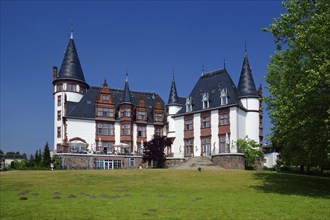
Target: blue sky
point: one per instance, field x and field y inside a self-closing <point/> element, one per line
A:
<point x="146" y="38"/>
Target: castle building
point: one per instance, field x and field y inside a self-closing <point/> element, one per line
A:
<point x="104" y="121"/>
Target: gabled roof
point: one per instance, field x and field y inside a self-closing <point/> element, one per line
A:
<point x="71" y="68"/>
<point x="213" y="83"/>
<point x="85" y="109"/>
<point x="246" y="86"/>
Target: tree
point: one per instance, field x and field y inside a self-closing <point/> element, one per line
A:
<point x="46" y="156"/>
<point x="37" y="158"/>
<point x="299" y="83"/>
<point x="251" y="150"/>
<point x="154" y="151"/>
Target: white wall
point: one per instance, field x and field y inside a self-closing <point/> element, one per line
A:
<point x="271" y="159"/>
<point x="150" y="132"/>
<point x="178" y="144"/>
<point x="197" y="134"/>
<point x="172" y="110"/>
<point x="233" y="119"/>
<point x="252" y="125"/>
<point x="214" y="131"/>
<point x="117" y="132"/>
<point x="84" y="129"/>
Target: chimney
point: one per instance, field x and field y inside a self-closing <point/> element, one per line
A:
<point x="55" y="72"/>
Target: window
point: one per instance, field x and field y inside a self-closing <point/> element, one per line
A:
<point x="131" y="162"/>
<point x="71" y="87"/>
<point x="158" y="117"/>
<point x="224" y="119"/>
<point x="189" y="104"/>
<point x="106" y="147"/>
<point x="59" y="148"/>
<point x="206" y="122"/>
<point x="224" y="97"/>
<point x="59" y="100"/>
<point x="189" y="124"/>
<point x="58" y="115"/>
<point x="223" y="143"/>
<point x="59" y="88"/>
<point x="205" y="100"/>
<point x="189" y="147"/>
<point x="104" y="129"/>
<point x="126" y="112"/>
<point x="141" y="115"/>
<point x="105" y="97"/>
<point x="108" y="164"/>
<point x="126" y="129"/>
<point x="141" y="131"/>
<point x="158" y="131"/>
<point x="105" y="112"/>
<point x="58" y="132"/>
<point x="206" y="146"/>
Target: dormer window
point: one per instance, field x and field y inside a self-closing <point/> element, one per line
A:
<point x="205" y="100"/>
<point x="224" y="97"/>
<point x="141" y="116"/>
<point x="105" y="97"/>
<point x="189" y="104"/>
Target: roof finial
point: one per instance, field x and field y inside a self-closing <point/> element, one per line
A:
<point x="126" y="78"/>
<point x="71" y="35"/>
<point x="173" y="72"/>
<point x="224" y="62"/>
<point x="202" y="69"/>
<point x="245" y="48"/>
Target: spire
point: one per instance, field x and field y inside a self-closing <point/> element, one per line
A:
<point x="173" y="98"/>
<point x="246" y="86"/>
<point x="126" y="93"/>
<point x="71" y="68"/>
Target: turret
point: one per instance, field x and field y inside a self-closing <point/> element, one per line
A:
<point x="126" y="117"/>
<point x="69" y="85"/>
<point x="248" y="96"/>
<point x="173" y="107"/>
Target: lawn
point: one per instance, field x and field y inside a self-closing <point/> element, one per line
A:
<point x="162" y="194"/>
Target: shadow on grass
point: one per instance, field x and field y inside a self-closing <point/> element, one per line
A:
<point x="292" y="184"/>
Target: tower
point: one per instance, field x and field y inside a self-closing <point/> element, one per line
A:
<point x="126" y="117"/>
<point x="69" y="85"/>
<point x="173" y="107"/>
<point x="248" y="95"/>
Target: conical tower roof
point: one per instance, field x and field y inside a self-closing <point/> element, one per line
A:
<point x="71" y="68"/>
<point x="126" y="94"/>
<point x="173" y="97"/>
<point x="246" y="86"/>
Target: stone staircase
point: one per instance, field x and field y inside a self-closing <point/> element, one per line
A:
<point x="204" y="163"/>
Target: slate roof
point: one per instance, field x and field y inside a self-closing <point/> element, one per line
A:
<point x="246" y="86"/>
<point x="126" y="95"/>
<point x="71" y="68"/>
<point x="212" y="83"/>
<point x="173" y="98"/>
<point x="85" y="109"/>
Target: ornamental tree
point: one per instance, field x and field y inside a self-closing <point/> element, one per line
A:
<point x="251" y="150"/>
<point x="154" y="151"/>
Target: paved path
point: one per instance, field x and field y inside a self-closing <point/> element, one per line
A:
<point x="193" y="163"/>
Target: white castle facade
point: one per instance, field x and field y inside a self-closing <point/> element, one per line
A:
<point x="110" y="122"/>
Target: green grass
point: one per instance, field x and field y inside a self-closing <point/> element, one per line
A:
<point x="163" y="194"/>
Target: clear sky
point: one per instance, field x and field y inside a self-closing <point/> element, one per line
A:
<point x="146" y="38"/>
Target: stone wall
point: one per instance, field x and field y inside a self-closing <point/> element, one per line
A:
<point x="172" y="162"/>
<point x="86" y="161"/>
<point x="229" y="160"/>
